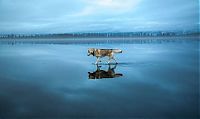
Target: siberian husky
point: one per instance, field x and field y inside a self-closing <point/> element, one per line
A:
<point x="99" y="53"/>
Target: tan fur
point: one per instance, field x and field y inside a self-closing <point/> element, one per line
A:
<point x="99" y="53"/>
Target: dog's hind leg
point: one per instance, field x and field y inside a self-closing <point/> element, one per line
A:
<point x="110" y="59"/>
<point x="114" y="60"/>
<point x="114" y="66"/>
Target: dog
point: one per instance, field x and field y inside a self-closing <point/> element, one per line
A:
<point x="99" y="53"/>
<point x="100" y="74"/>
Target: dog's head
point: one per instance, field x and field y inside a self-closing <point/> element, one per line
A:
<point x="91" y="51"/>
<point x="91" y="75"/>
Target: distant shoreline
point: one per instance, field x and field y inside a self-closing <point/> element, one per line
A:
<point x="147" y="39"/>
<point x="100" y="35"/>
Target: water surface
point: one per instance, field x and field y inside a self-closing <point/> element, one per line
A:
<point x="158" y="80"/>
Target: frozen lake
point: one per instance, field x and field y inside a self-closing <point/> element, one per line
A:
<point x="153" y="80"/>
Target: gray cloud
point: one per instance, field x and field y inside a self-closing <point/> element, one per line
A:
<point x="47" y="16"/>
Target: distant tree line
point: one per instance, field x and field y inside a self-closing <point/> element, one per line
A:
<point x="99" y="35"/>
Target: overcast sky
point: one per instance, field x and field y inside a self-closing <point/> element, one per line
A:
<point x="61" y="16"/>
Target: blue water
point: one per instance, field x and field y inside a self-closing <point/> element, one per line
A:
<point x="157" y="80"/>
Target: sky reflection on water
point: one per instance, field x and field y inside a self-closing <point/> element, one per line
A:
<point x="159" y="80"/>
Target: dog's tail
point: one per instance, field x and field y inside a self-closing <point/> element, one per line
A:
<point x="117" y="51"/>
<point x="118" y="75"/>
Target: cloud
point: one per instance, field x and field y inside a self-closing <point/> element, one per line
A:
<point x="108" y="6"/>
<point x="84" y="12"/>
<point x="97" y="15"/>
<point x="114" y="4"/>
<point x="93" y="7"/>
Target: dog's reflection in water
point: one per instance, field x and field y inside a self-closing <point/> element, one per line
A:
<point x="100" y="74"/>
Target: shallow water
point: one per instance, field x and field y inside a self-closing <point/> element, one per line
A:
<point x="155" y="80"/>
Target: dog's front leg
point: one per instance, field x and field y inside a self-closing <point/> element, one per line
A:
<point x="109" y="59"/>
<point x="97" y="61"/>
